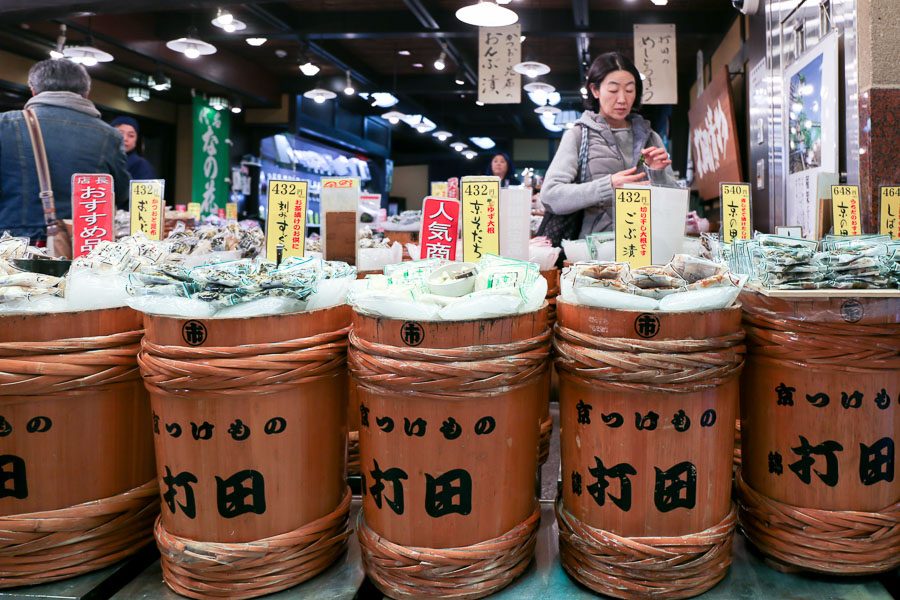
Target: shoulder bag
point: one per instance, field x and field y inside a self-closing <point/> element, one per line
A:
<point x="59" y="243"/>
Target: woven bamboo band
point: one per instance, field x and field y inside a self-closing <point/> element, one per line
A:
<point x="465" y="371"/>
<point x="269" y="368"/>
<point x="645" y="365"/>
<point x="544" y="440"/>
<point x="460" y="573"/>
<point x="644" y="567"/>
<point x="837" y="542"/>
<point x="251" y="569"/>
<point x="50" y="545"/>
<point x="39" y="368"/>
<point x="737" y="445"/>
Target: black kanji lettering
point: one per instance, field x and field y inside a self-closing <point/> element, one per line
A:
<point x="785" y="395"/>
<point x="244" y="492"/>
<point x="803" y="466"/>
<point x="876" y="462"/>
<point x="13" y="478"/>
<point x="183" y="480"/>
<point x="676" y="487"/>
<point x="621" y="471"/>
<point x="584" y="412"/>
<point x="440" y="493"/>
<point x="396" y="477"/>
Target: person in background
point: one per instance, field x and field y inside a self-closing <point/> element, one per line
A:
<point x="501" y="166"/>
<point x="138" y="166"/>
<point x="76" y="141"/>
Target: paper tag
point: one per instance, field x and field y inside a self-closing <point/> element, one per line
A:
<point x="93" y="208"/>
<point x="440" y="228"/>
<point x="889" y="223"/>
<point x="231" y="211"/>
<point x="737" y="211"/>
<point x="789" y="231"/>
<point x="453" y="188"/>
<point x="633" y="233"/>
<point x="481" y="217"/>
<point x="286" y="218"/>
<point x="147" y="207"/>
<point x="845" y="209"/>
<point x="440" y="189"/>
<point x="194" y="209"/>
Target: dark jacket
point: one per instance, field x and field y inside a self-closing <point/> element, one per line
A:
<point x="139" y="167"/>
<point x="77" y="141"/>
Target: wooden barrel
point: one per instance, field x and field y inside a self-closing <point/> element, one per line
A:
<point x="819" y="420"/>
<point x="250" y="437"/>
<point x="552" y="277"/>
<point x="647" y="409"/>
<point x="449" y="426"/>
<point x="77" y="486"/>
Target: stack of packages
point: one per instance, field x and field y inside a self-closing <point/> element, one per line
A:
<point x="17" y="286"/>
<point x="685" y="284"/>
<point x="242" y="241"/>
<point x="542" y="252"/>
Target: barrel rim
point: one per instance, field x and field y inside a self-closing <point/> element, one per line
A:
<point x="215" y="318"/>
<point x="736" y="307"/>
<point x="369" y="315"/>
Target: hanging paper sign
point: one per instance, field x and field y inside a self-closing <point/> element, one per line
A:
<point x="440" y="228"/>
<point x="633" y="233"/>
<point x="737" y="222"/>
<point x="147" y="207"/>
<point x="654" y="53"/>
<point x="481" y="217"/>
<point x="440" y="189"/>
<point x="231" y="211"/>
<point x="453" y="188"/>
<point x="194" y="209"/>
<point x="889" y="223"/>
<point x="845" y="209"/>
<point x="93" y="207"/>
<point x="499" y="50"/>
<point x="286" y="218"/>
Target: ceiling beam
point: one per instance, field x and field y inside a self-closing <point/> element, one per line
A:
<point x="428" y="22"/>
<point x="582" y="17"/>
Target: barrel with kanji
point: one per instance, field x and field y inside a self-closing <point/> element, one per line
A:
<point x="819" y="418"/>
<point x="449" y="424"/>
<point x="250" y="430"/>
<point x="77" y="486"/>
<point x="647" y="409"/>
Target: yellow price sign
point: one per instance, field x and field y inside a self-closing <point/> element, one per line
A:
<point x="440" y="189"/>
<point x="286" y="218"/>
<point x="194" y="209"/>
<point x="481" y="217"/>
<point x="147" y="207"/>
<point x="889" y="223"/>
<point x="231" y="212"/>
<point x="845" y="209"/>
<point x="633" y="233"/>
<point x="737" y="222"/>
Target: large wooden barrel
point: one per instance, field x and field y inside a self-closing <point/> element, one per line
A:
<point x="647" y="409"/>
<point x="250" y="437"/>
<point x="819" y="421"/>
<point x="77" y="486"/>
<point x="449" y="427"/>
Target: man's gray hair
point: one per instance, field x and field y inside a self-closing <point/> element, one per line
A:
<point x="60" y="75"/>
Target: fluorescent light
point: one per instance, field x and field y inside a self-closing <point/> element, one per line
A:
<point x="138" y="94"/>
<point x="257" y="41"/>
<point x="440" y="63"/>
<point x="309" y="69"/>
<point x="485" y="143"/>
<point x="486" y="14"/>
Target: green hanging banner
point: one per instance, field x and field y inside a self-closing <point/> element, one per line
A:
<point x="211" y="157"/>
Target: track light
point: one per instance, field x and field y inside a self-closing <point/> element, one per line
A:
<point x="349" y="87"/>
<point x="309" y="69"/>
<point x="440" y="63"/>
<point x="257" y="41"/>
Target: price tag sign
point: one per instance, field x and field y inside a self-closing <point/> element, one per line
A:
<point x="633" y="233"/>
<point x="440" y="228"/>
<point x="453" y="188"/>
<point x="481" y="217"/>
<point x="889" y="223"/>
<point x="147" y="207"/>
<point x="93" y="208"/>
<point x="440" y="189"/>
<point x="231" y="211"/>
<point x="286" y="218"/>
<point x="737" y="211"/>
<point x="194" y="209"/>
<point x="845" y="209"/>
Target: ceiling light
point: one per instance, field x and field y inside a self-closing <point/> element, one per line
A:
<point x="225" y="20"/>
<point x="159" y="82"/>
<point x="547" y="110"/>
<point x="479" y="103"/>
<point x="583" y="91"/>
<point x="460" y="79"/>
<point x="442" y="136"/>
<point x="485" y="143"/>
<point x="236" y="107"/>
<point x="547" y="120"/>
<point x="56" y="54"/>
<point x="417" y="65"/>
<point x="458" y="146"/>
<point x="539" y="92"/>
<point x="420" y="123"/>
<point x="393" y="117"/>
<point x="257" y="41"/>
<point x="86" y="55"/>
<point x="280" y="53"/>
<point x="660" y="2"/>
<point x="381" y="99"/>
<point x="643" y="77"/>
<point x="218" y="103"/>
<point x="235" y="25"/>
<point x="539" y="86"/>
<point x="439" y="64"/>
<point x="191" y="47"/>
<point x="531" y="68"/>
<point x="348" y="88"/>
<point x="521" y="39"/>
<point x="486" y="14"/>
<point x="318" y="95"/>
<point x="138" y="94"/>
<point x="403" y="52"/>
<point x="470" y="154"/>
<point x="309" y="69"/>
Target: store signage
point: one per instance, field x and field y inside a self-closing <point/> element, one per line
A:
<point x="714" y="140"/>
<point x="211" y="156"/>
<point x="654" y="53"/>
<point x="440" y="228"/>
<point x="440" y="189"/>
<point x="889" y="223"/>
<point x="633" y="232"/>
<point x="453" y="188"/>
<point x="481" y="217"/>
<point x="194" y="209"/>
<point x="286" y="218"/>
<point x="737" y="212"/>
<point x="147" y="207"/>
<point x="340" y="183"/>
<point x="93" y="208"/>
<point x="499" y="50"/>
<point x="845" y="209"/>
<point x="231" y="211"/>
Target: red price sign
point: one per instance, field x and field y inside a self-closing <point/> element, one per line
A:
<point x="440" y="228"/>
<point x="93" y="209"/>
<point x="453" y="188"/>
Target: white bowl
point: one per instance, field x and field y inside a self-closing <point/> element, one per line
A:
<point x="455" y="287"/>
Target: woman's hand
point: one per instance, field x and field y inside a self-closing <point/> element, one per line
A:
<point x="628" y="176"/>
<point x="656" y="158"/>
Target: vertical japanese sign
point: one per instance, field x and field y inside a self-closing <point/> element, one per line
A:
<point x="93" y="208"/>
<point x="211" y="156"/>
<point x="286" y="218"/>
<point x="499" y="50"/>
<point x="633" y="233"/>
<point x="440" y="228"/>
<point x="889" y="223"/>
<point x="147" y="207"/>
<point x="231" y="211"/>
<point x="845" y="209"/>
<point x="737" y="222"/>
<point x="440" y="189"/>
<point x="481" y="217"/>
<point x="654" y="53"/>
<point x="453" y="188"/>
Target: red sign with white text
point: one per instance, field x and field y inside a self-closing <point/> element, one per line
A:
<point x="440" y="228"/>
<point x="93" y="209"/>
<point x="453" y="188"/>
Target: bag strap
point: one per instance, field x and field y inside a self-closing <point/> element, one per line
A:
<point x="582" y="174"/>
<point x="43" y="167"/>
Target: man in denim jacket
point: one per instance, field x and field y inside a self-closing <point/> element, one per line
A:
<point x="77" y="141"/>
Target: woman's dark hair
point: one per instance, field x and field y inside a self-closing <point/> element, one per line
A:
<point x="509" y="165"/>
<point x="602" y="66"/>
